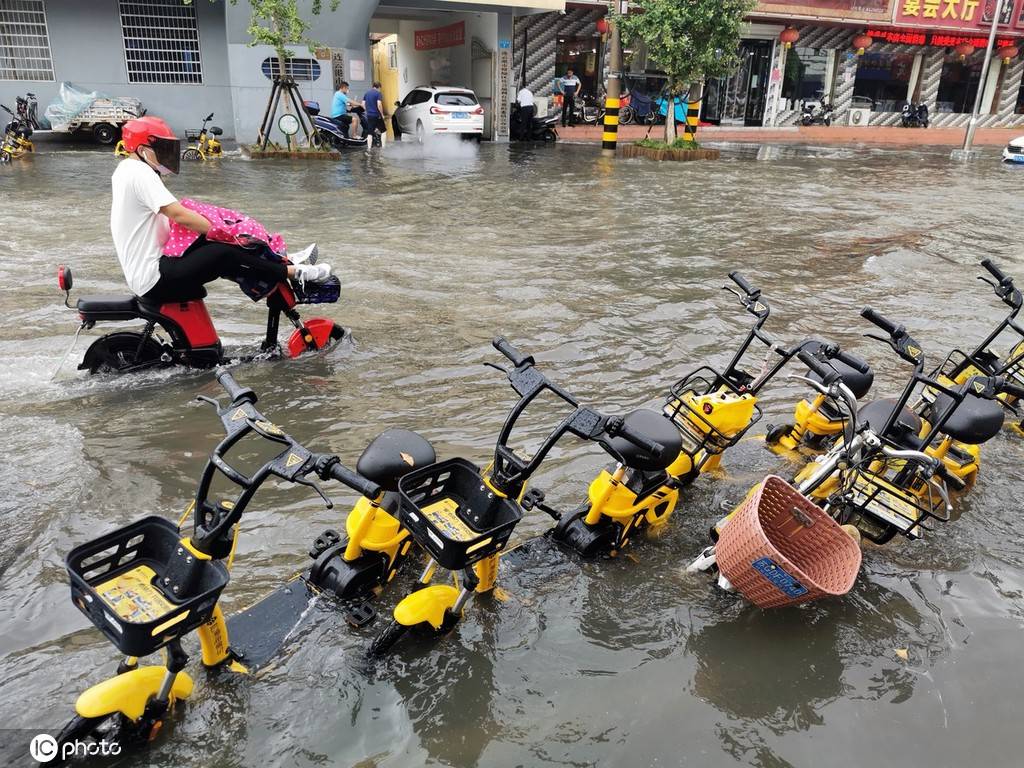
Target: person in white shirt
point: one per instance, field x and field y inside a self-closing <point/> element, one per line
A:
<point x="527" y="107"/>
<point x="140" y="214"/>
<point x="570" y="90"/>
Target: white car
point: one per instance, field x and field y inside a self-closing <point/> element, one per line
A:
<point x="1014" y="152"/>
<point x="438" y="110"/>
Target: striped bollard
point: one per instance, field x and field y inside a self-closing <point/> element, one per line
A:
<point x="611" y="124"/>
<point x="692" y="120"/>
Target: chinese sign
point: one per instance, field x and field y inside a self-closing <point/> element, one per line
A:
<point x="968" y="15"/>
<point x="938" y="39"/>
<point x="867" y="10"/>
<point x="441" y="37"/>
<point x="504" y="92"/>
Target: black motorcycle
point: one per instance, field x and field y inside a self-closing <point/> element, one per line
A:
<point x="536" y="129"/>
<point x="914" y="115"/>
<point x="816" y="112"/>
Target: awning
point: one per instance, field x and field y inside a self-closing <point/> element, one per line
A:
<point x="515" y="7"/>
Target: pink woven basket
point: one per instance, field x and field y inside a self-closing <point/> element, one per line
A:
<point x="779" y="548"/>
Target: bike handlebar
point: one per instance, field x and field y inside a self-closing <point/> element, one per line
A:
<point x="995" y="271"/>
<point x="236" y="391"/>
<point x="335" y="470"/>
<point x="861" y="366"/>
<point x="618" y="428"/>
<point x="504" y="346"/>
<point x="826" y="373"/>
<point x="1013" y="389"/>
<point x="880" y="320"/>
<point x="744" y="285"/>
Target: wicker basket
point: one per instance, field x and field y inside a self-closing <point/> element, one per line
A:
<point x="779" y="548"/>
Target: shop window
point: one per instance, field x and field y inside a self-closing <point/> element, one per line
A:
<point x="298" y="69"/>
<point x="958" y="84"/>
<point x="161" y="42"/>
<point x="1020" y="96"/>
<point x="883" y="80"/>
<point x="805" y="75"/>
<point x="579" y="54"/>
<point x="24" y="43"/>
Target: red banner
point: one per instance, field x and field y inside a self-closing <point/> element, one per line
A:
<point x="938" y="39"/>
<point x="442" y="37"/>
<point x="964" y="15"/>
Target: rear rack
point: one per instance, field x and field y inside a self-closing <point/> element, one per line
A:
<point x="697" y="396"/>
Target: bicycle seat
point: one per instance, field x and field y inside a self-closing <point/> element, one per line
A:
<point x="974" y="421"/>
<point x="904" y="431"/>
<point x="215" y="130"/>
<point x="656" y="427"/>
<point x="153" y="305"/>
<point x="108" y="307"/>
<point x="858" y="383"/>
<point x="392" y="455"/>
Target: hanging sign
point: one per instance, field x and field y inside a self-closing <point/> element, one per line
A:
<point x="441" y="37"/>
<point x="966" y="15"/>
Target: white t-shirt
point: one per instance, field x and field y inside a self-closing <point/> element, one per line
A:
<point x="525" y="97"/>
<point x="136" y="224"/>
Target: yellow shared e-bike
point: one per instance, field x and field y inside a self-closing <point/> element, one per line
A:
<point x="711" y="410"/>
<point x="463" y="516"/>
<point x="147" y="585"/>
<point x="16" y="141"/>
<point x="205" y="144"/>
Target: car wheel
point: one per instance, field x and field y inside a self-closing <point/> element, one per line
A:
<point x="421" y="132"/>
<point x="104" y="133"/>
<point x="396" y="128"/>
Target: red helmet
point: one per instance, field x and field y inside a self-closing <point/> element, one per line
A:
<point x="139" y="131"/>
<point x="153" y="132"/>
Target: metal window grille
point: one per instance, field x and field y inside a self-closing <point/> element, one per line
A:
<point x="297" y="69"/>
<point x="161" y="42"/>
<point x="24" y="42"/>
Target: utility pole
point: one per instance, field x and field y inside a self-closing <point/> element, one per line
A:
<point x="967" y="152"/>
<point x="611" y="103"/>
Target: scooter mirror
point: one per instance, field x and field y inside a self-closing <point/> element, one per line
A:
<point x="64" y="277"/>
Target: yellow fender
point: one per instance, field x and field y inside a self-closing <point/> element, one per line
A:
<point x="129" y="693"/>
<point x="426" y="605"/>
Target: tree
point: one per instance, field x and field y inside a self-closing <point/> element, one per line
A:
<point x="690" y="40"/>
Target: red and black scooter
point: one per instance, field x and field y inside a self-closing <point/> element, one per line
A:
<point x="191" y="338"/>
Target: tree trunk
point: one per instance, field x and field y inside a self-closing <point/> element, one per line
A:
<point x="670" y="117"/>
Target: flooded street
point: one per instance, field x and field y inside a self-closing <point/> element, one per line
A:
<point x="610" y="274"/>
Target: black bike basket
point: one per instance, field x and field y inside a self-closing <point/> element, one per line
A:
<point x="326" y="292"/>
<point x="141" y="587"/>
<point x="691" y="410"/>
<point x="453" y="515"/>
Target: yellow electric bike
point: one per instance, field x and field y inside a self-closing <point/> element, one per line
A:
<point x="463" y="515"/>
<point x="148" y="585"/>
<point x="205" y="144"/>
<point x="16" y="141"/>
<point x="711" y="410"/>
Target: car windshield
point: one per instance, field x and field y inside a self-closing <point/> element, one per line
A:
<point x="456" y="99"/>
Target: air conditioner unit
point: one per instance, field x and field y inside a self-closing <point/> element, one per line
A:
<point x="858" y="116"/>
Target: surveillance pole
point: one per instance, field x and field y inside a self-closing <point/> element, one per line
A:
<point x="967" y="152"/>
<point x="609" y="137"/>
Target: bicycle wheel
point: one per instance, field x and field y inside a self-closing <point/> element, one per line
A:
<point x="627" y="116"/>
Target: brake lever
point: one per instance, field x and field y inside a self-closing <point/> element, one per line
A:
<point x="988" y="280"/>
<point x="212" y="401"/>
<point x="735" y="292"/>
<point x="320" y="491"/>
<point x="496" y="367"/>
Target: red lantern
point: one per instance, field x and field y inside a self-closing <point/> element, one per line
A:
<point x="788" y="36"/>
<point x="602" y="26"/>
<point x="862" y="42"/>
<point x="1007" y="52"/>
<point x="963" y="50"/>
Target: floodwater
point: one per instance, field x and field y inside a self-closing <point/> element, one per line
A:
<point x="610" y="274"/>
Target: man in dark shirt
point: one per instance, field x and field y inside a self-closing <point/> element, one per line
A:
<point x="374" y="101"/>
<point x="570" y="90"/>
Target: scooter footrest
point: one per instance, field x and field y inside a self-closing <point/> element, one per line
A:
<point x="323" y="542"/>
<point x="360" y="615"/>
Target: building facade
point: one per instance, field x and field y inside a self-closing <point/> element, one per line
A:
<point x="913" y="56"/>
<point x="186" y="60"/>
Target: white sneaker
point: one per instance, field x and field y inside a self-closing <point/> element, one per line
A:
<point x="311" y="273"/>
<point x="307" y="255"/>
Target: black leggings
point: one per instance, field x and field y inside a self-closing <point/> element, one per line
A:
<point x="204" y="262"/>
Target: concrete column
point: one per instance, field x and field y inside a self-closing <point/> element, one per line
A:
<point x="992" y="83"/>
<point x="1013" y="73"/>
<point x="771" y="111"/>
<point x="846" y="74"/>
<point x="931" y="72"/>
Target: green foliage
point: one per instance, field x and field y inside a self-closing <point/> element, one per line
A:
<point x="689" y="39"/>
<point x="680" y="143"/>
<point x="279" y="23"/>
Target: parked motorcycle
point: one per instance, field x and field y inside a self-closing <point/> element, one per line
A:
<point x="27" y="108"/>
<point x="588" y="110"/>
<point x="192" y="339"/>
<point x="816" y="113"/>
<point x="206" y="144"/>
<point x="914" y="115"/>
<point x="327" y="134"/>
<point x="16" y="140"/>
<point x="539" y="129"/>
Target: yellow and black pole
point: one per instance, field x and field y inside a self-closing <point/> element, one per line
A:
<point x="693" y="111"/>
<point x="611" y="104"/>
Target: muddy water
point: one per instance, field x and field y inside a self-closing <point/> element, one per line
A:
<point x="610" y="274"/>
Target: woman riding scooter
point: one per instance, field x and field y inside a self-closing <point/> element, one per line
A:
<point x="140" y="215"/>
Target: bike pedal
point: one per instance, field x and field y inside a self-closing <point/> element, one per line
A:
<point x="360" y="615"/>
<point x="323" y="542"/>
<point x="532" y="498"/>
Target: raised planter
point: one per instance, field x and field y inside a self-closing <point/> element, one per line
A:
<point x="633" y="150"/>
<point x="250" y="152"/>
